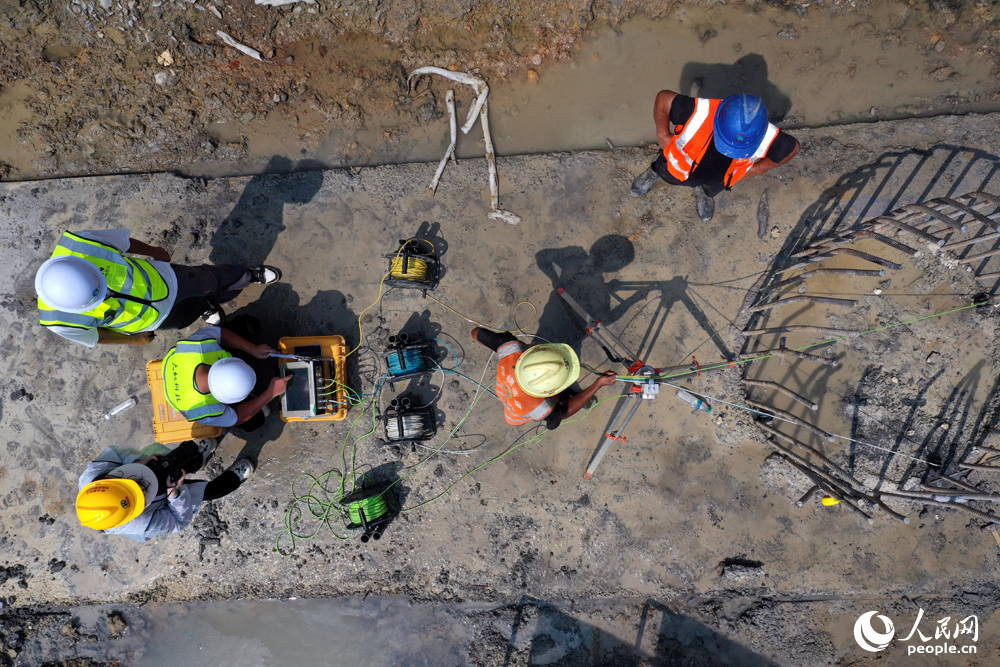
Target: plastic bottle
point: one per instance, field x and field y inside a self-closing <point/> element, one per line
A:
<point x="693" y="400"/>
<point x="120" y="408"/>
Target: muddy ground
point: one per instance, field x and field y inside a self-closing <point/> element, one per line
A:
<point x="692" y="510"/>
<point x="139" y="86"/>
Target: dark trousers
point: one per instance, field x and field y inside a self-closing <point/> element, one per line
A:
<point x="198" y="287"/>
<point x="660" y="167"/>
<point x="493" y="339"/>
<point x="186" y="457"/>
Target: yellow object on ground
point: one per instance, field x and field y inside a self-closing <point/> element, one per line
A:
<point x="830" y="501"/>
<point x="545" y="370"/>
<point x="168" y="424"/>
<point x="331" y="347"/>
<point x="109" y="503"/>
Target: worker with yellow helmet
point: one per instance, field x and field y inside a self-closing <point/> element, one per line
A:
<point x="142" y="494"/>
<point x="533" y="382"/>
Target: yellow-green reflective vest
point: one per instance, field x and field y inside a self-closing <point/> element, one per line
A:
<point x="128" y="278"/>
<point x="178" y="378"/>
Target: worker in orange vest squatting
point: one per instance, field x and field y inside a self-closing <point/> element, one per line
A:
<point x="714" y="144"/>
<point x="533" y="381"/>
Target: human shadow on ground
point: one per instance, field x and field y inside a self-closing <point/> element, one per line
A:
<point x="581" y="274"/>
<point x="746" y="75"/>
<point x="248" y="234"/>
<point x="543" y="634"/>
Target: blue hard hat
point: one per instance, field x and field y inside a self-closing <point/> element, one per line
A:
<point x="740" y="125"/>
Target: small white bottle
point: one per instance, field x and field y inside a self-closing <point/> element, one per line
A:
<point x="120" y="408"/>
<point x="693" y="400"/>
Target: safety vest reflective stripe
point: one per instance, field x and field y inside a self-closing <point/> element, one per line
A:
<point x="688" y="147"/>
<point x="129" y="277"/>
<point x="739" y="168"/>
<point x="179" y="368"/>
<point x="518" y="407"/>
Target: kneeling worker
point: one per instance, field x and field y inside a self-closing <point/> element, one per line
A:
<point x="533" y="381"/>
<point x="207" y="384"/>
<point x="143" y="494"/>
<point x="91" y="292"/>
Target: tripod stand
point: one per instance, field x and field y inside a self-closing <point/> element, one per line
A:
<point x="643" y="381"/>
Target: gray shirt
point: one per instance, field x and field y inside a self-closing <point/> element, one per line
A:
<point x="120" y="240"/>
<point x="161" y="517"/>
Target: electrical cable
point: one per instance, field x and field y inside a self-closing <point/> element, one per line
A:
<point x="413" y="269"/>
<point x="517" y="327"/>
<point x="406" y="361"/>
<point x="375" y="507"/>
<point x="413" y="426"/>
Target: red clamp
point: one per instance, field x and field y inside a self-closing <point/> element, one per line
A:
<point x="617" y="438"/>
<point x="696" y="365"/>
<point x="634" y="368"/>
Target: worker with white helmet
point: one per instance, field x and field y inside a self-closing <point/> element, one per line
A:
<point x="142" y="494"/>
<point x="91" y="292"/>
<point x="533" y="381"/>
<point x="206" y="383"/>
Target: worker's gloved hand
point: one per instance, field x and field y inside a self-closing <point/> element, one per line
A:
<point x="175" y="490"/>
<point x="278" y="386"/>
<point x="142" y="338"/>
<point x="159" y="254"/>
<point x="606" y="379"/>
<point x="263" y="351"/>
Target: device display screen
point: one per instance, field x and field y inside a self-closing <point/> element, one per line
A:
<point x="297" y="394"/>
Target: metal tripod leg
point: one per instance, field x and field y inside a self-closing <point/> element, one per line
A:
<point x="598" y="330"/>
<point x="615" y="430"/>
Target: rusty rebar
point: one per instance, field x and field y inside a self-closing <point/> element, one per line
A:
<point x="923" y="209"/>
<point x="930" y="501"/>
<point x="849" y="303"/>
<point x="812" y="450"/>
<point x="800" y="327"/>
<point x="982" y="255"/>
<point x="902" y="226"/>
<point x="987" y="449"/>
<point x="988" y="274"/>
<point x="793" y="419"/>
<point x="806" y="496"/>
<point x="825" y="272"/>
<point x="986" y="220"/>
<point x="892" y="243"/>
<point x="972" y="241"/>
<point x="976" y="466"/>
<point x="783" y="390"/>
<point x="956" y="495"/>
<point x="951" y="480"/>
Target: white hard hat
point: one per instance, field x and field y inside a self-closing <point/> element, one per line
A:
<point x="231" y="380"/>
<point x="71" y="284"/>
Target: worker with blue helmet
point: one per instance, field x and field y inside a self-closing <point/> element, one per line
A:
<point x="714" y="144"/>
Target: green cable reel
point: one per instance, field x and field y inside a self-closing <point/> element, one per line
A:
<point x="371" y="509"/>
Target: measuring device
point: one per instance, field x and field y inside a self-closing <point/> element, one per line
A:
<point x="643" y="383"/>
<point x="312" y="393"/>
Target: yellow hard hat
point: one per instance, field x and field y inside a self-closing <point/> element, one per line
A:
<point x="109" y="503"/>
<point x="545" y="370"/>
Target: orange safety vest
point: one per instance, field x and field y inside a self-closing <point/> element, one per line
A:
<point x="518" y="407"/>
<point x="691" y="140"/>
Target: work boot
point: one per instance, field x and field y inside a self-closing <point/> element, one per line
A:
<point x="206" y="446"/>
<point x="704" y="204"/>
<point x="644" y="182"/>
<point x="264" y="275"/>
<point x="215" y="316"/>
<point x="243" y="468"/>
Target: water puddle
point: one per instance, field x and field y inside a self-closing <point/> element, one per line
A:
<point x="811" y="70"/>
